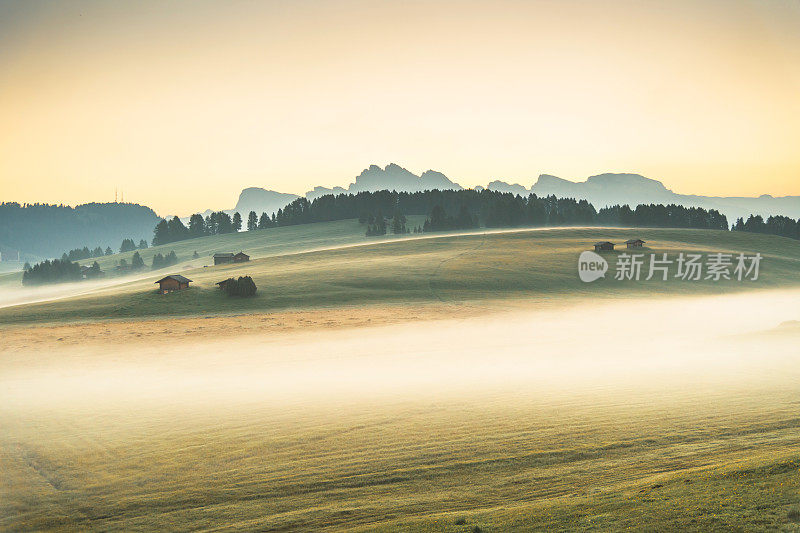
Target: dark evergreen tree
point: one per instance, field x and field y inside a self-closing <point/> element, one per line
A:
<point x="398" y="224"/>
<point x="161" y="233"/>
<point x="176" y="231"/>
<point x="136" y="261"/>
<point x="142" y="244"/>
<point x="109" y="251"/>
<point x="244" y="287"/>
<point x="93" y="271"/>
<point x="197" y="226"/>
<point x="127" y="246"/>
<point x="237" y="221"/>
<point x="252" y="221"/>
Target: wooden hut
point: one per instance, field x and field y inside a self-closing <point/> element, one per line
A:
<point x="241" y="257"/>
<point x="173" y="282"/>
<point x="634" y="243"/>
<point x="603" y="246"/>
<point x="223" y="258"/>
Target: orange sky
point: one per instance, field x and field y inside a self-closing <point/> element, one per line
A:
<point x="182" y="104"/>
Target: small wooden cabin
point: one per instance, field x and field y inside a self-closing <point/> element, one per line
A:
<point x="603" y="246"/>
<point x="173" y="282"/>
<point x="635" y="243"/>
<point x="224" y="258"/>
<point x="241" y="257"/>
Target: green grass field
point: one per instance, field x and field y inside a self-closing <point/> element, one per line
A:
<point x="521" y="264"/>
<point x="643" y="406"/>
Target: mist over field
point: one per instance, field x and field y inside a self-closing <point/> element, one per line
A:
<point x="263" y="425"/>
<point x="630" y="343"/>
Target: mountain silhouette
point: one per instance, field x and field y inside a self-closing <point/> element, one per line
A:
<point x="601" y="190"/>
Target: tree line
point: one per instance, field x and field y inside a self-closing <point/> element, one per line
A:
<point x="55" y="271"/>
<point x="78" y="254"/>
<point x="445" y="210"/>
<point x="466" y="209"/>
<point x="774" y="225"/>
<point x="61" y="270"/>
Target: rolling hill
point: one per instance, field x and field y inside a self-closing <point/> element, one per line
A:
<point x="333" y="264"/>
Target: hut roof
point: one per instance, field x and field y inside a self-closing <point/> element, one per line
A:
<point x="225" y="254"/>
<point x="224" y="281"/>
<point x="631" y="241"/>
<point x="176" y="277"/>
<point x="603" y="242"/>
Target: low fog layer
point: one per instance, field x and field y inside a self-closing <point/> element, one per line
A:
<point x="616" y="346"/>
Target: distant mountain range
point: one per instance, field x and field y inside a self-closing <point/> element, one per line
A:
<point x="601" y="190"/>
<point x="393" y="177"/>
<point x="38" y="231"/>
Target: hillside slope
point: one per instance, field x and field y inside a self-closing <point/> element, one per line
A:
<point x="516" y="264"/>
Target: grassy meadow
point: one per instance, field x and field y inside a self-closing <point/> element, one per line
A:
<point x="554" y="405"/>
<point x="331" y="265"/>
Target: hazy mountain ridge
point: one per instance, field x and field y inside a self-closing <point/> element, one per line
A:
<point x="43" y="230"/>
<point x="601" y="190"/>
<point x="625" y="188"/>
<point x="262" y="200"/>
<point x="49" y="235"/>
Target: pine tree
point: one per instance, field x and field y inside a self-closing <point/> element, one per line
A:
<point x="136" y="261"/>
<point x="127" y="246"/>
<point x="197" y="227"/>
<point x="237" y="221"/>
<point x="176" y="231"/>
<point x="109" y="251"/>
<point x="252" y="221"/>
<point x="398" y="223"/>
<point x="142" y="244"/>
<point x="161" y="233"/>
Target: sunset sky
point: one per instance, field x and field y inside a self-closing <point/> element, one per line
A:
<point x="182" y="104"/>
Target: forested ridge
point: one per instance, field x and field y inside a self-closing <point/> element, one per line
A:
<point x="47" y="230"/>
<point x="386" y="211"/>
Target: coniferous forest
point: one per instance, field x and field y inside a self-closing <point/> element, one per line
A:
<point x="54" y="271"/>
<point x="445" y="210"/>
<point x="46" y="230"/>
<point x="774" y="225"/>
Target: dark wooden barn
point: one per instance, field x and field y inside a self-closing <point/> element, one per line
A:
<point x="223" y="258"/>
<point x="241" y="257"/>
<point x="173" y="282"/>
<point x="603" y="246"/>
<point x="635" y="243"/>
